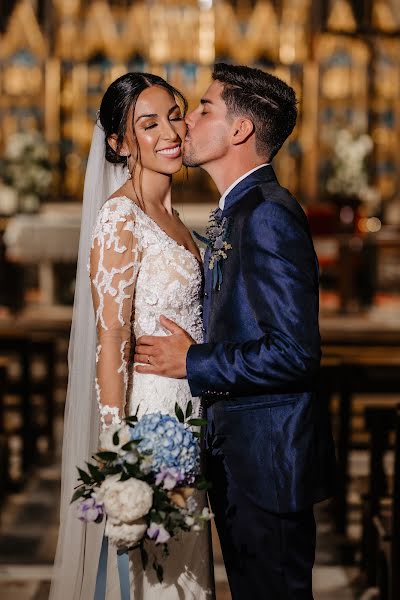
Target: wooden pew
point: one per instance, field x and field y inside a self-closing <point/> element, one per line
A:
<point x="379" y="422"/>
<point x="25" y="390"/>
<point x="4" y="464"/>
<point x="387" y="527"/>
<point x="363" y="370"/>
<point x="381" y="509"/>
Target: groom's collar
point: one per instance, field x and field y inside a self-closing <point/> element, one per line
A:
<point x="241" y="186"/>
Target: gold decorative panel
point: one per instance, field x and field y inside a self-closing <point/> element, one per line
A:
<point x="385" y="116"/>
<point x="23" y="56"/>
<point x="52" y="77"/>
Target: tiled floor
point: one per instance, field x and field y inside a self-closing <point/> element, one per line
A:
<point x="28" y="535"/>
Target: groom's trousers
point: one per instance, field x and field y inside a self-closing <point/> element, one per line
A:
<point x="267" y="556"/>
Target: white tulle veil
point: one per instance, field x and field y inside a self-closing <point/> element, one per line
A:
<point x="78" y="545"/>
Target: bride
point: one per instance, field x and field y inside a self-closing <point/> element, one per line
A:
<point x="143" y="263"/>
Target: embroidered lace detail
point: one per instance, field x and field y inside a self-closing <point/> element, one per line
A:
<point x="114" y="264"/>
<point x="138" y="273"/>
<point x="106" y="410"/>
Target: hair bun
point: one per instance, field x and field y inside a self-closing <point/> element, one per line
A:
<point x="112" y="156"/>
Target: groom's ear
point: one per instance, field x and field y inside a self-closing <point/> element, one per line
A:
<point x="113" y="141"/>
<point x="242" y="129"/>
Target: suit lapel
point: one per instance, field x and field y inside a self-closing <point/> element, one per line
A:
<point x="207" y="292"/>
<point x="261" y="176"/>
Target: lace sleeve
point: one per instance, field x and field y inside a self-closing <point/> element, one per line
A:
<point x="114" y="265"/>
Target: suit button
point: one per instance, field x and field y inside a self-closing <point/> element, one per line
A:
<point x="205" y="295"/>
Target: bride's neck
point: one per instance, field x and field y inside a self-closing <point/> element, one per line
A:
<point x="153" y="189"/>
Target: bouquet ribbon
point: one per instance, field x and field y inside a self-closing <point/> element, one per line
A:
<point x="123" y="572"/>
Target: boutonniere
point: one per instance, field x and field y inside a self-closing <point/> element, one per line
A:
<point x="217" y="233"/>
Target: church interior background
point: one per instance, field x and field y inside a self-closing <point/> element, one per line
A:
<point x="342" y="162"/>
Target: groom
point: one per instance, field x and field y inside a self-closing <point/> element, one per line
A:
<point x="269" y="449"/>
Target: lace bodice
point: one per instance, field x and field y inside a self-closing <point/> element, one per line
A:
<point x="137" y="273"/>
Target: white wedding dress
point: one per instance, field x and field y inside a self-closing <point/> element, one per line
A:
<point x="137" y="274"/>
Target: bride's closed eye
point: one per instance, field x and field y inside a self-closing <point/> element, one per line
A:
<point x="176" y="117"/>
<point x="152" y="125"/>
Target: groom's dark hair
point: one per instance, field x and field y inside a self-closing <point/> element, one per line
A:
<point x="267" y="101"/>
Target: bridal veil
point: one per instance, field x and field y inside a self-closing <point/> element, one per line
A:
<point x="79" y="545"/>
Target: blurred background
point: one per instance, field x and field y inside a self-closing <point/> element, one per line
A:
<point x="341" y="162"/>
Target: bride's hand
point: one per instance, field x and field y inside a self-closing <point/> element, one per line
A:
<point x="164" y="356"/>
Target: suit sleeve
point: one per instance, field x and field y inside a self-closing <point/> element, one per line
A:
<point x="280" y="274"/>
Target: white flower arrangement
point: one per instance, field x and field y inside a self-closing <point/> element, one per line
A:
<point x="349" y="175"/>
<point x="215" y="238"/>
<point x="125" y="534"/>
<point x="25" y="168"/>
<point x="125" y="501"/>
<point x="106" y="437"/>
<point x="145" y="480"/>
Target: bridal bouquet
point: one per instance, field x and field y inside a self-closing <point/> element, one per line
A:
<point x="143" y="481"/>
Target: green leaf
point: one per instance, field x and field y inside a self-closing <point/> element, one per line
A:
<point x="131" y="419"/>
<point x="78" y="494"/>
<point x="116" y="439"/>
<point x="133" y="470"/>
<point x="128" y="445"/>
<point x="201" y="238"/>
<point x="197" y="422"/>
<point x="179" y="413"/>
<point x="189" y="409"/>
<point x="159" y="571"/>
<point x="144" y="556"/>
<point x="203" y="485"/>
<point x="107" y="456"/>
<point x="95" y="473"/>
<point x="111" y="470"/>
<point x="84" y="476"/>
<point x="156" y="518"/>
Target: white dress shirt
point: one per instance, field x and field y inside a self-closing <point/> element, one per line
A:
<point x="234" y="184"/>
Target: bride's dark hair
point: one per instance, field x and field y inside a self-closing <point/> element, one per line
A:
<point x="117" y="102"/>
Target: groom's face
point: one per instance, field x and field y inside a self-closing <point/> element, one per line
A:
<point x="208" y="129"/>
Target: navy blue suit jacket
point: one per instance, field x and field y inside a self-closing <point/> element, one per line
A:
<point x="258" y="370"/>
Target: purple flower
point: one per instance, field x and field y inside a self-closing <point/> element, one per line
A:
<point x="158" y="533"/>
<point x="219" y="243"/>
<point x="170" y="476"/>
<point x="89" y="511"/>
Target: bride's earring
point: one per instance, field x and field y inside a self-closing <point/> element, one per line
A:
<point x="127" y="165"/>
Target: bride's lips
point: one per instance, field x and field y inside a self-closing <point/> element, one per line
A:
<point x="171" y="152"/>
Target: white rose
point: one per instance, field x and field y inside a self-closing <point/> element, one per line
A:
<point x="106" y="437"/>
<point x="206" y="514"/>
<point x="146" y="465"/>
<point x="127" y="500"/>
<point x="124" y="535"/>
<point x="8" y="200"/>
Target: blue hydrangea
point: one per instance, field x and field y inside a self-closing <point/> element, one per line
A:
<point x="170" y="443"/>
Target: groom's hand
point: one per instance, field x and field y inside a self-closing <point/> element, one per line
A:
<point x="161" y="355"/>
